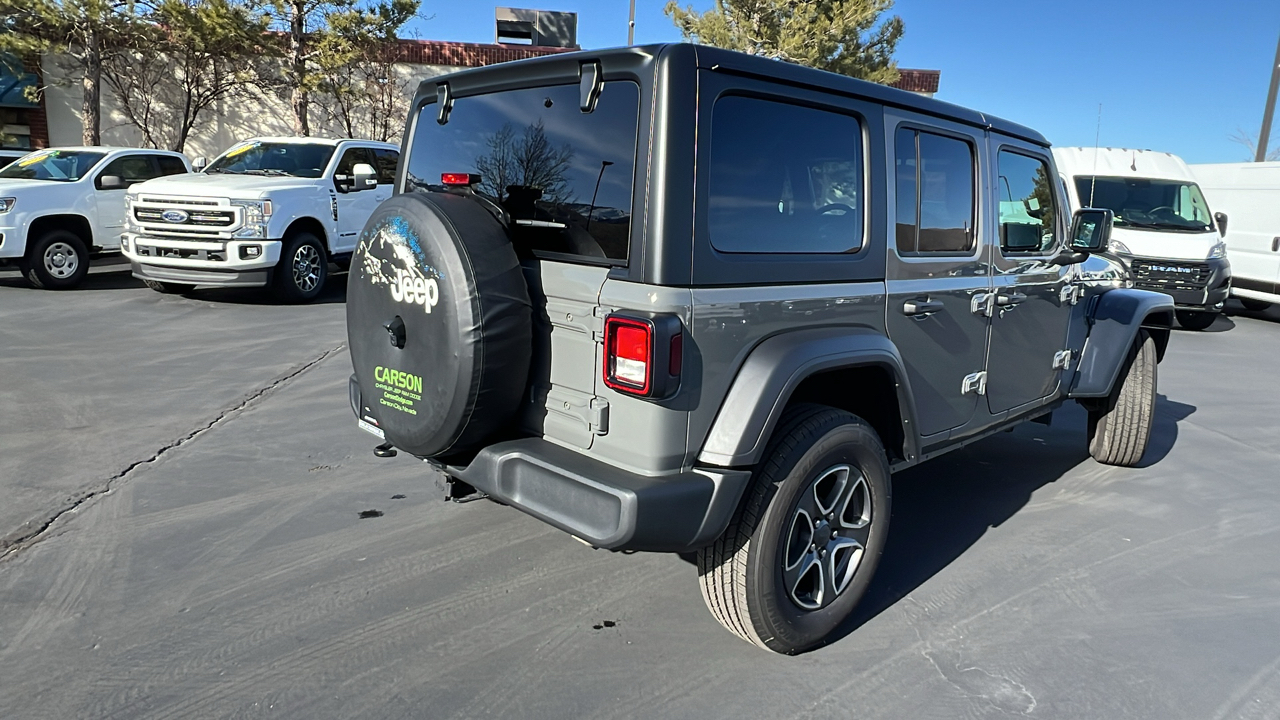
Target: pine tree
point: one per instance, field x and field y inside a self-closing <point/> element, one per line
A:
<point x="843" y="36"/>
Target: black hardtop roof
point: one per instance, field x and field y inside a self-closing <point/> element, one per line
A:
<point x="509" y="74"/>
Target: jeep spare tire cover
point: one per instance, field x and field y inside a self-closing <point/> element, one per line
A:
<point x="439" y="323"/>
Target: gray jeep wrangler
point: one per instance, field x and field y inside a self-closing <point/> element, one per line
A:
<point x="680" y="299"/>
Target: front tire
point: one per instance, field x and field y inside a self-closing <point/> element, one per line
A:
<point x="1195" y="320"/>
<point x="802" y="548"/>
<point x="57" y="260"/>
<point x="169" y="288"/>
<point x="1255" y="305"/>
<point x="302" y="270"/>
<point x="1120" y="428"/>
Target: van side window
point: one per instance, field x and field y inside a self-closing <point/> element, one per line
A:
<point x="1028" y="211"/>
<point x="935" y="191"/>
<point x="784" y="179"/>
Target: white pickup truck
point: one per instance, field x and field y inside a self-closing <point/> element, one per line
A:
<point x="58" y="206"/>
<point x="268" y="211"/>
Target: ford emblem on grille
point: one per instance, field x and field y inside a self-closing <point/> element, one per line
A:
<point x="175" y="216"/>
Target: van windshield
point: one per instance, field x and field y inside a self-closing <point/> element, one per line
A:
<point x="1147" y="204"/>
<point x="564" y="175"/>
<point x="307" y="160"/>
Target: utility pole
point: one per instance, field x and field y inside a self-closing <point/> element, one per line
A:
<point x="631" y="40"/>
<point x="1267" y="113"/>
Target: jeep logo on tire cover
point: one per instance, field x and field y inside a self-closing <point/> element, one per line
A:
<point x="407" y="277"/>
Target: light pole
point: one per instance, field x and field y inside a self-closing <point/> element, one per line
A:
<point x="631" y="25"/>
<point x="1270" y="109"/>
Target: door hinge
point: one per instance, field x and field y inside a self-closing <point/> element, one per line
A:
<point x="1070" y="294"/>
<point x="598" y="314"/>
<point x="974" y="383"/>
<point x="983" y="303"/>
<point x="1062" y="360"/>
<point x="598" y="416"/>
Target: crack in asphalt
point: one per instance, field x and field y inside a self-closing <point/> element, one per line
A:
<point x="22" y="539"/>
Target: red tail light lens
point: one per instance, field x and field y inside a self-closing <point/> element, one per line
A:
<point x="457" y="179"/>
<point x="628" y="355"/>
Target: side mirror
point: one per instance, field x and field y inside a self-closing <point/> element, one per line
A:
<point x="1091" y="229"/>
<point x="199" y="164"/>
<point x="364" y="177"/>
<point x="111" y="182"/>
<point x="1221" y="219"/>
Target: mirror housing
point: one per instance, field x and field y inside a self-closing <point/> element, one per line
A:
<point x="199" y="164"/>
<point x="111" y="182"/>
<point x="1221" y="219"/>
<point x="363" y="177"/>
<point x="1091" y="229"/>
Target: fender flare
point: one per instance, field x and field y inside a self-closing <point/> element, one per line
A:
<point x="765" y="382"/>
<point x="1115" y="317"/>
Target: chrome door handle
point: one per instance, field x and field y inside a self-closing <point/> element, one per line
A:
<point x="1010" y="300"/>
<point x="921" y="308"/>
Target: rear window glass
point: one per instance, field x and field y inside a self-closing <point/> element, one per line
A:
<point x="784" y="179"/>
<point x="564" y="175"/>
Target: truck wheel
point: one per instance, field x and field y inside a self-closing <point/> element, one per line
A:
<point x="1254" y="305"/>
<point x="800" y="551"/>
<point x="302" y="270"/>
<point x="58" y="260"/>
<point x="1195" y="320"/>
<point x="1121" y="426"/>
<point x="169" y="288"/>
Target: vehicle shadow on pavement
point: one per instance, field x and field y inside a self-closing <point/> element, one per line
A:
<point x="335" y="291"/>
<point x="943" y="507"/>
<point x="1222" y="323"/>
<point x="115" y="278"/>
<point x="1234" y="308"/>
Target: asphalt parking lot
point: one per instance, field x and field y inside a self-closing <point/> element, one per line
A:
<point x="181" y="537"/>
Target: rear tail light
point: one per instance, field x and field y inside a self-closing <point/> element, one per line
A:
<point x="643" y="355"/>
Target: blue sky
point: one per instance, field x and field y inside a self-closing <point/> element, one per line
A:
<point x="1172" y="75"/>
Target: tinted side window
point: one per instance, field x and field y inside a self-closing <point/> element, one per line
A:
<point x="170" y="165"/>
<point x="130" y="168"/>
<point x="352" y="157"/>
<point x="386" y="165"/>
<point x="1028" y="213"/>
<point x="936" y="206"/>
<point x="784" y="179"/>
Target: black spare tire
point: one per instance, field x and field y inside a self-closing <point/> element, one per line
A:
<point x="439" y="323"/>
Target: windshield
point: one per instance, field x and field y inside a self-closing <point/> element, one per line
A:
<point x="57" y="165"/>
<point x="265" y="158"/>
<point x="564" y="175"/>
<point x="1147" y="204"/>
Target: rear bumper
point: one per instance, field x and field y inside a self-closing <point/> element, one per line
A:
<point x="604" y="505"/>
<point x="197" y="276"/>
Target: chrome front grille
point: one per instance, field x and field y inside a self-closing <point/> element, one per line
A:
<point x="202" y="218"/>
<point x="188" y="218"/>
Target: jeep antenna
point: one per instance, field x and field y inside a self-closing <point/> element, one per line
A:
<point x="1097" y="133"/>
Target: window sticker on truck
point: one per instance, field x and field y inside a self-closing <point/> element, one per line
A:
<point x="407" y="277"/>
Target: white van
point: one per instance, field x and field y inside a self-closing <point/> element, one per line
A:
<point x="1164" y="232"/>
<point x="1248" y="196"/>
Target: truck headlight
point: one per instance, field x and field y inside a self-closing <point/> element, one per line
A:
<point x="1219" y="250"/>
<point x="256" y="215"/>
<point x="1119" y="248"/>
<point x="6" y="204"/>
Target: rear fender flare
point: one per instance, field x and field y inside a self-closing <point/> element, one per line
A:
<point x="764" y="385"/>
<point x="1115" y="317"/>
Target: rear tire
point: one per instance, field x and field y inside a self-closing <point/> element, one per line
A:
<point x="169" y="288"/>
<point x="1195" y="320"/>
<point x="57" y="260"/>
<point x="1120" y="428"/>
<point x="302" y="270"/>
<point x="801" y="550"/>
<point x="1255" y="305"/>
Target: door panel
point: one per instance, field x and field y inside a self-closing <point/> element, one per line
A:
<point x="1031" y="310"/>
<point x="109" y="204"/>
<point x="937" y="270"/>
<point x="355" y="207"/>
